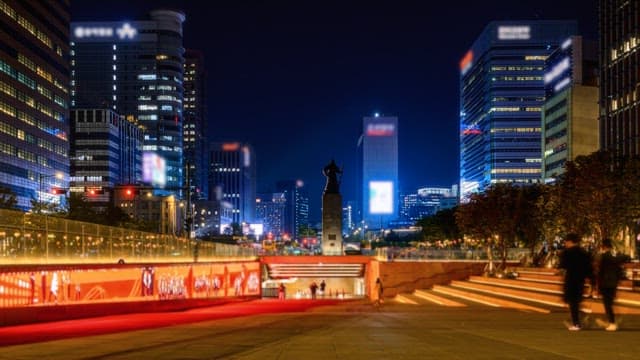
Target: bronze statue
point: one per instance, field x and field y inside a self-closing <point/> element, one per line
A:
<point x="331" y="171"/>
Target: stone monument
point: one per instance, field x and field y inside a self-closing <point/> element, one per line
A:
<point x="332" y="211"/>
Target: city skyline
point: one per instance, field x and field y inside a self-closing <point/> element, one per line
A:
<point x="289" y="76"/>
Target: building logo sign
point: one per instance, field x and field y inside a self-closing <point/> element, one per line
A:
<point x="465" y="63"/>
<point x="124" y="32"/>
<point x="514" y="32"/>
<point x="380" y="129"/>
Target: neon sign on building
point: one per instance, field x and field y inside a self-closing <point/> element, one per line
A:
<point x="514" y="32"/>
<point x="380" y="129"/>
<point x="126" y="31"/>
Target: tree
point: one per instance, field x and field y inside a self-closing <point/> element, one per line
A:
<point x="440" y="226"/>
<point x="592" y="199"/>
<point x="78" y="208"/>
<point x="305" y="230"/>
<point x="498" y="218"/>
<point x="7" y="198"/>
<point x="473" y="221"/>
<point x="530" y="227"/>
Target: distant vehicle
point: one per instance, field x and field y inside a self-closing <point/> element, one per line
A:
<point x="352" y="249"/>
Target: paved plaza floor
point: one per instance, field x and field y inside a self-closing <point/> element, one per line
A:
<point x="355" y="330"/>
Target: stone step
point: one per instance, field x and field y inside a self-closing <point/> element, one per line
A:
<point x="486" y="300"/>
<point x="589" y="305"/>
<point x="525" y="295"/>
<point x="625" y="297"/>
<point x="535" y="271"/>
<point x="551" y="288"/>
<point x="404" y="299"/>
<point x="433" y="298"/>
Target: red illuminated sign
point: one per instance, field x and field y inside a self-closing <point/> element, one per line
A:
<point x="230" y="146"/>
<point x="380" y="129"/>
<point x="466" y="61"/>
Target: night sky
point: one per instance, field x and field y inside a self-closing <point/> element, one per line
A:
<point x="295" y="78"/>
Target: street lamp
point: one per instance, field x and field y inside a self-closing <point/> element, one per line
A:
<point x="41" y="177"/>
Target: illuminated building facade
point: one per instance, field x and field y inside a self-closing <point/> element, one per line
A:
<point x="619" y="78"/>
<point x="296" y="213"/>
<point x="427" y="202"/>
<point x="270" y="210"/>
<point x="379" y="171"/>
<point x="194" y="125"/>
<point x="106" y="151"/>
<point x="570" y="111"/>
<point x="501" y="98"/>
<point x="34" y="99"/>
<point x="349" y="224"/>
<point x="136" y="69"/>
<point x="232" y="180"/>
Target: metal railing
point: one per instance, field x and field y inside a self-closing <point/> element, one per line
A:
<point x="413" y="254"/>
<point x="28" y="238"/>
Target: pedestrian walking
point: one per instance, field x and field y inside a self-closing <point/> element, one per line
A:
<point x="323" y="285"/>
<point x="313" y="287"/>
<point x="281" y="291"/>
<point x="379" y="292"/>
<point x="610" y="271"/>
<point x="577" y="266"/>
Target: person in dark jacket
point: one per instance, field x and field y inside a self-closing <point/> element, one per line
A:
<point x="610" y="272"/>
<point x="577" y="265"/>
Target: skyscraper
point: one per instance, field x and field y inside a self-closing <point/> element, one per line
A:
<point x="570" y="111"/>
<point x="379" y="149"/>
<point x="270" y="210"/>
<point x="619" y="78"/>
<point x="501" y="97"/>
<point x="136" y="69"/>
<point x="296" y="211"/>
<point x="34" y="99"/>
<point x="233" y="179"/>
<point x="106" y="151"/>
<point x="427" y="202"/>
<point x="194" y="125"/>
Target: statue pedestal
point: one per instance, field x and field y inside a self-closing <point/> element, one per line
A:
<point x="331" y="224"/>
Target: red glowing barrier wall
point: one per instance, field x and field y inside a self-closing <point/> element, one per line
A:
<point x="50" y="285"/>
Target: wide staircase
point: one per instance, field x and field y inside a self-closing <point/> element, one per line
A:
<point x="526" y="289"/>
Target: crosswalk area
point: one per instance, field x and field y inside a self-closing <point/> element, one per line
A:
<point x="527" y="289"/>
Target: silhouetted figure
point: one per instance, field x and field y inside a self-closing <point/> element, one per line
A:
<point x="331" y="171"/>
<point x="610" y="271"/>
<point x="577" y="265"/>
<point x="379" y="292"/>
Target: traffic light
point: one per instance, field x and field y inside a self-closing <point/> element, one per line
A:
<point x="58" y="191"/>
<point x="95" y="191"/>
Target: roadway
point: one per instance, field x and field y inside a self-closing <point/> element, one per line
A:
<point x="307" y="329"/>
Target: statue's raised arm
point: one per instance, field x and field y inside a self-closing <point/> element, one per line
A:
<point x="331" y="171"/>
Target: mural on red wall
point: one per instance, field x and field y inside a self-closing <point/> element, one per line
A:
<point x="148" y="282"/>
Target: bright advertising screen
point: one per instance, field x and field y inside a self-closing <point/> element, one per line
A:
<point x="381" y="197"/>
<point x="154" y="169"/>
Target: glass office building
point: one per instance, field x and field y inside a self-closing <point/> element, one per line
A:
<point x="379" y="171"/>
<point x="232" y="180"/>
<point x="501" y="98"/>
<point x="194" y="128"/>
<point x="136" y="69"/>
<point x="34" y="100"/>
<point x="570" y="111"/>
<point x="619" y="78"/>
